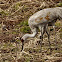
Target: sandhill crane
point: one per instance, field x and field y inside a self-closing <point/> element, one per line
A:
<point x="41" y="20"/>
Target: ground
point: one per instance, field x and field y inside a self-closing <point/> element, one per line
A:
<point x="14" y="15"/>
<point x="11" y="51"/>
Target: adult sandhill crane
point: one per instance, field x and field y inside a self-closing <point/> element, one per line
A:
<point x="41" y="20"/>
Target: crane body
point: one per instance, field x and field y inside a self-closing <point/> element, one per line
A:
<point x="41" y="20"/>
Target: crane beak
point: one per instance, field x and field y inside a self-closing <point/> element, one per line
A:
<point x="22" y="43"/>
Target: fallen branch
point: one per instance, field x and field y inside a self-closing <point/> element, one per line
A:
<point x="17" y="10"/>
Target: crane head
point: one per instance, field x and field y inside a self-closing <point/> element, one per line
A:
<point x="21" y="40"/>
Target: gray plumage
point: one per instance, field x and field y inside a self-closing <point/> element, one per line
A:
<point x="42" y="18"/>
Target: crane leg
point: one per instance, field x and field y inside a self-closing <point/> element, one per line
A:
<point x="55" y="37"/>
<point x="22" y="46"/>
<point x="41" y="37"/>
<point x="48" y="39"/>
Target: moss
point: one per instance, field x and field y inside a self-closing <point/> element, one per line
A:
<point x="25" y="29"/>
<point x="57" y="51"/>
<point x="16" y="7"/>
<point x="58" y="23"/>
<point x="24" y="23"/>
<point x="7" y="45"/>
<point x="18" y="40"/>
<point x="59" y="4"/>
<point x="27" y="60"/>
<point x="13" y="32"/>
<point x="3" y="13"/>
<point x="18" y="4"/>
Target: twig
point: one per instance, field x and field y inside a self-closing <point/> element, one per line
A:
<point x="26" y="53"/>
<point x="16" y="3"/>
<point x="59" y="30"/>
<point x="17" y="10"/>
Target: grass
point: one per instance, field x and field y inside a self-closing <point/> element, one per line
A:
<point x="13" y="32"/>
<point x="58" y="23"/>
<point x="61" y="30"/>
<point x="61" y="35"/>
<point x="23" y="23"/>
<point x="24" y="27"/>
<point x="3" y="13"/>
<point x="7" y="45"/>
<point x="16" y="7"/>
<point x="27" y="60"/>
<point x="60" y="4"/>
